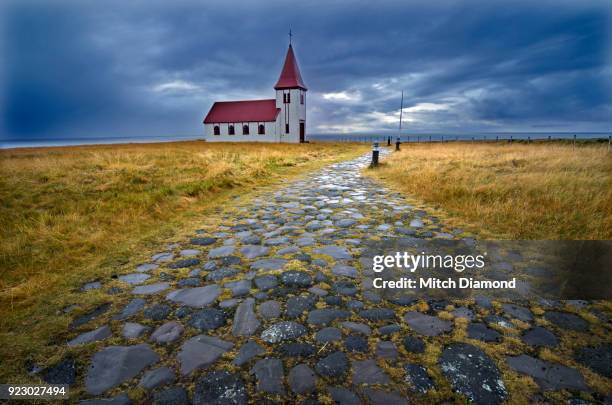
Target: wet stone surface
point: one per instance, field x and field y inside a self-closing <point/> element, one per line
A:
<point x="272" y="302"/>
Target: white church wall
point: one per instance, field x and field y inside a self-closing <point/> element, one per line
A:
<point x="253" y="136"/>
<point x="295" y="111"/>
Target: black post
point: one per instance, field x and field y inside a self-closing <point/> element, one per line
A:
<point x="397" y="143"/>
<point x="574" y="140"/>
<point x="549" y="138"/>
<point x="388" y="141"/>
<point x="496" y="138"/>
<point x="510" y="138"/>
<point x="429" y="138"/>
<point x="374" y="155"/>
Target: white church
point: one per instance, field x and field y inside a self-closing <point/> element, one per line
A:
<point x="282" y="119"/>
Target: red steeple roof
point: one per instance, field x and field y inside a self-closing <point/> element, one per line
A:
<point x="290" y="77"/>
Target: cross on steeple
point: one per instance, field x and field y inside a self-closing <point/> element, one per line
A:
<point x="290" y="35"/>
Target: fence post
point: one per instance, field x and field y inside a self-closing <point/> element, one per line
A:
<point x="574" y="140"/>
<point x="397" y="143"/>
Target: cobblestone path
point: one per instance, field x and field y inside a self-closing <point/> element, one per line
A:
<point x="275" y="305"/>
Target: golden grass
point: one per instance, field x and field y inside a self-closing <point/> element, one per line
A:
<point x="69" y="215"/>
<point x="513" y="191"/>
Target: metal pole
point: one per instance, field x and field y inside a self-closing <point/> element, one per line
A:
<point x="374" y="155"/>
<point x="399" y="133"/>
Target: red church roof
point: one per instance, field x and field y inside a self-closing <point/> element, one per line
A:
<point x="242" y="111"/>
<point x="290" y="77"/>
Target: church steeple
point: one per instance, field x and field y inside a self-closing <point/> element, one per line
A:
<point x="290" y="77"/>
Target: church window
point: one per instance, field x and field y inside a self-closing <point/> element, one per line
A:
<point x="245" y="130"/>
<point x="301" y="98"/>
<point x="261" y="130"/>
<point x="230" y="130"/>
<point x="286" y="128"/>
<point x="288" y="98"/>
<point x="217" y="131"/>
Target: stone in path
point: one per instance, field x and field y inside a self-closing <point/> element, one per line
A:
<point x="344" y="396"/>
<point x="598" y="359"/>
<point x="207" y="319"/>
<point x="549" y="376"/>
<point x="328" y="334"/>
<point x="413" y="344"/>
<point x="427" y="325"/>
<point x="203" y="241"/>
<point x="222" y="251"/>
<point x="198" y="297"/>
<point x="220" y="388"/>
<point x="146" y="267"/>
<point x="379" y="397"/>
<point x="115" y="364"/>
<point x="472" y="373"/>
<point x="368" y="372"/>
<point x="131" y="309"/>
<point x="333" y="366"/>
<point x="565" y="320"/>
<point x="269" y="264"/>
<point x="253" y="251"/>
<point x="286" y="330"/>
<point x="345" y="271"/>
<point x="133" y="330"/>
<point x="336" y="252"/>
<point x="326" y="315"/>
<point x="157" y="377"/>
<point x="480" y="331"/>
<point x="518" y="312"/>
<point x="417" y="376"/>
<point x="150" y="289"/>
<point x="201" y="351"/>
<point x="357" y="327"/>
<point x="171" y="396"/>
<point x="294" y="278"/>
<point x="539" y="336"/>
<point x="245" y="321"/>
<point x="302" y="379"/>
<point x="101" y="333"/>
<point x="269" y="374"/>
<point x="63" y="372"/>
<point x="249" y="350"/>
<point x="269" y="309"/>
<point x="377" y="314"/>
<point x="167" y="333"/>
<point x="266" y="282"/>
<point x="91" y="315"/>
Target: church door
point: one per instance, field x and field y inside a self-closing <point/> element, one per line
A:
<point x="302" y="131"/>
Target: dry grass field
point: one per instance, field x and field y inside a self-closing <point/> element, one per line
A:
<point x="69" y="215"/>
<point x="512" y="191"/>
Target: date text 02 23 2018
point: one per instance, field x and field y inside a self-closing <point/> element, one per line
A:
<point x="27" y="391"/>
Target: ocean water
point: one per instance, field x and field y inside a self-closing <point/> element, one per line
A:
<point x="405" y="137"/>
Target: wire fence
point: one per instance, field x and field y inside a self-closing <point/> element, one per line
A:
<point x="524" y="139"/>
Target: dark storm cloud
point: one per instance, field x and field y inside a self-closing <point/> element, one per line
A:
<point x="85" y="68"/>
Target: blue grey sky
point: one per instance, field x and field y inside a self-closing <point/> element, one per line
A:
<point x="153" y="68"/>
